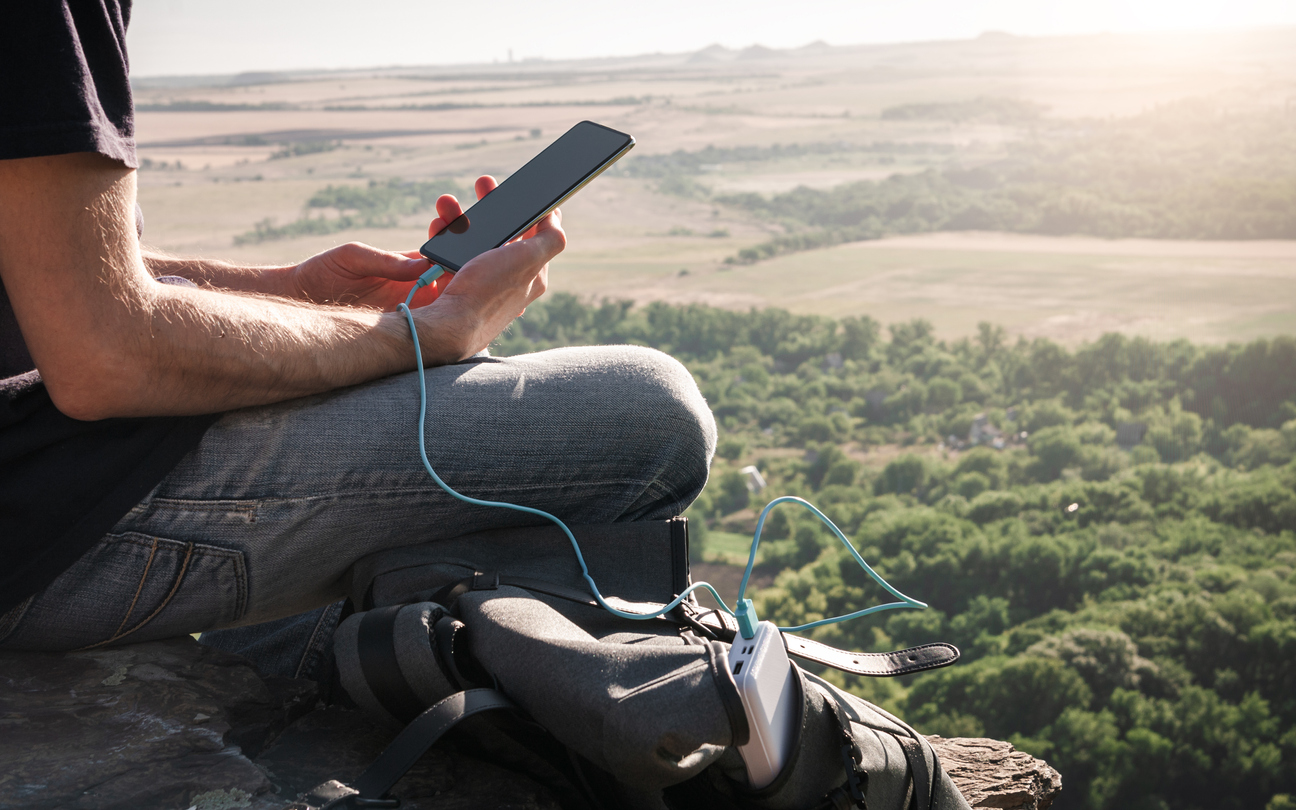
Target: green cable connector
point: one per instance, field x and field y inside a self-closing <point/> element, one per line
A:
<point x="430" y="275"/>
<point x="746" y="616"/>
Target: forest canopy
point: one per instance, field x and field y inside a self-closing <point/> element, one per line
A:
<point x="1116" y="556"/>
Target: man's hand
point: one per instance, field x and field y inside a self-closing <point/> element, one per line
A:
<point x="477" y="303"/>
<point x="356" y="274"/>
<point x="359" y="275"/>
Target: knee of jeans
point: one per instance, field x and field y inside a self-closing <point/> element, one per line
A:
<point x="675" y="415"/>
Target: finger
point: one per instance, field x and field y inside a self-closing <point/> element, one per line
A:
<point x="528" y="258"/>
<point x="551" y="231"/>
<point x="448" y="207"/>
<point x="448" y="210"/>
<point x="554" y="220"/>
<point x="539" y="285"/>
<point x="358" y="260"/>
<point x="484" y="185"/>
<point x="549" y="242"/>
<point x="556" y="215"/>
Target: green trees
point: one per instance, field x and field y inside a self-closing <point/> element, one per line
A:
<point x="732" y="493"/>
<point x="377" y="205"/>
<point x="1055" y="448"/>
<point x="1181" y="171"/>
<point x="1128" y="614"/>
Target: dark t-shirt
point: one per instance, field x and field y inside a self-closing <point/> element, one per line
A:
<point x="64" y="483"/>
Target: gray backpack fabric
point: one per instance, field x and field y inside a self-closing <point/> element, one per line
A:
<point x="608" y="712"/>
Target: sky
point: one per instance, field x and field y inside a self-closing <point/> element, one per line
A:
<point x="194" y="37"/>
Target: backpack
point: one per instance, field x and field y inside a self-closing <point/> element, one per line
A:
<point x="495" y="636"/>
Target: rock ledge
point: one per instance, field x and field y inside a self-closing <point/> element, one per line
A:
<point x="177" y="725"/>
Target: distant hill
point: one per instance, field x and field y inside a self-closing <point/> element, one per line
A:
<point x="758" y="52"/>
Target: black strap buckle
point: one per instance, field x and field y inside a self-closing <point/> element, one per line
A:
<point x="489" y="581"/>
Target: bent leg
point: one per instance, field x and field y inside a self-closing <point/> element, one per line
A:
<point x="265" y="517"/>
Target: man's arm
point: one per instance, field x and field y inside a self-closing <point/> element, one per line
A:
<point x="265" y="280"/>
<point x="110" y="341"/>
<point x="353" y="274"/>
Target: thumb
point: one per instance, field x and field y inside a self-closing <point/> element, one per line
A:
<point x="362" y="260"/>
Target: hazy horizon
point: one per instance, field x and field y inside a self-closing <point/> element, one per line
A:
<point x="183" y="37"/>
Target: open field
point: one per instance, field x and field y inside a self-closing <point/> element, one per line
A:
<point x="227" y="153"/>
<point x="1065" y="288"/>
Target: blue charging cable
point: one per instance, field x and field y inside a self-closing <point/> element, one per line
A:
<point x="746" y="611"/>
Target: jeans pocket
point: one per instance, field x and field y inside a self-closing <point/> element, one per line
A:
<point x="133" y="587"/>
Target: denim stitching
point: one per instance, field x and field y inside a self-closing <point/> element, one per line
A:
<point x="311" y="654"/>
<point x="184" y="567"/>
<point x="216" y="504"/>
<point x="246" y="508"/>
<point x="240" y="574"/>
<point x="235" y="556"/>
<point x="140" y="588"/>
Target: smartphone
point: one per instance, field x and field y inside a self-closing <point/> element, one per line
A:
<point x="528" y="195"/>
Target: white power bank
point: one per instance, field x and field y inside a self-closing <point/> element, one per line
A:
<point x="763" y="673"/>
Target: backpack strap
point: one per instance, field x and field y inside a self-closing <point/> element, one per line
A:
<point x="922" y="775"/>
<point x="376" y="647"/>
<point x="888" y="664"/>
<point x="854" y="792"/>
<point x="926" y="778"/>
<point x="725" y="627"/>
<point x="400" y="755"/>
<point x="876" y="665"/>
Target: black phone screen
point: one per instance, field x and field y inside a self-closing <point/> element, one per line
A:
<point x="530" y="192"/>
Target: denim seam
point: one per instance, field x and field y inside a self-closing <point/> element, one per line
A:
<point x="215" y="504"/>
<point x="312" y="652"/>
<point x="245" y="507"/>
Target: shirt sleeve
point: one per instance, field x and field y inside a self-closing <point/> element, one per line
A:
<point x="66" y="87"/>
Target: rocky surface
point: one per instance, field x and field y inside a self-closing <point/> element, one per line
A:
<point x="991" y="773"/>
<point x="149" y="725"/>
<point x="176" y="725"/>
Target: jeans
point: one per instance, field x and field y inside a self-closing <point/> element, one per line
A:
<point x="260" y="523"/>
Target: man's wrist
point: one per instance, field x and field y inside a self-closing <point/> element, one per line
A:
<point x="439" y="341"/>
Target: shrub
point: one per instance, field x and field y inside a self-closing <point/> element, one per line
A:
<point x="1055" y="449"/>
<point x="1046" y="414"/>
<point x="943" y="394"/>
<point x="733" y="494"/>
<point x="971" y="484"/>
<point x="731" y="448"/>
<point x="1176" y="435"/>
<point x="991" y="506"/>
<point x="985" y="461"/>
<point x="906" y="474"/>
